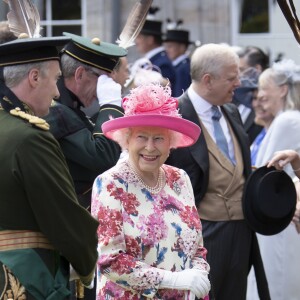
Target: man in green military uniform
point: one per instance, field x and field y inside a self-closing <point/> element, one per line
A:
<point x="86" y="66"/>
<point x="43" y="229"/>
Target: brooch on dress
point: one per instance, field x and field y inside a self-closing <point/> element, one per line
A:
<point x="176" y="188"/>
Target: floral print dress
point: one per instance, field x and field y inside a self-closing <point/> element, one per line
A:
<point x="141" y="234"/>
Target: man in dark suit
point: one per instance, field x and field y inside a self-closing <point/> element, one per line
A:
<point x="149" y="44"/>
<point x="218" y="165"/>
<point x="251" y="63"/>
<point x="176" y="43"/>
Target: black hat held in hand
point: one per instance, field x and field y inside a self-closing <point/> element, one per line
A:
<point x="269" y="200"/>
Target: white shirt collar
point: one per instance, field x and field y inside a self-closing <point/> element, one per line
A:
<point x="203" y="109"/>
<point x="153" y="52"/>
<point x="201" y="106"/>
<point x="179" y="59"/>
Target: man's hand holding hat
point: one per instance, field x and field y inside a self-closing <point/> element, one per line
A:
<point x="108" y="91"/>
<point x="279" y="161"/>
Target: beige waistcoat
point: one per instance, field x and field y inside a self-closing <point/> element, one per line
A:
<point x="223" y="199"/>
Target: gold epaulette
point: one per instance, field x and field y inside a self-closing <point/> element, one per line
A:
<point x="34" y="120"/>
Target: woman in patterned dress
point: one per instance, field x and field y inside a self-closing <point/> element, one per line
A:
<point x="150" y="237"/>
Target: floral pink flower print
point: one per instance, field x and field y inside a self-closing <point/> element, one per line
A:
<point x="147" y="279"/>
<point x="112" y="290"/>
<point x="172" y="177"/>
<point x="167" y="294"/>
<point x="186" y="244"/>
<point x="153" y="229"/>
<point x="140" y="235"/>
<point x="133" y="246"/>
<point x="168" y="202"/>
<point x="123" y="265"/>
<point x="129" y="201"/>
<point x="189" y="215"/>
<point x="110" y="224"/>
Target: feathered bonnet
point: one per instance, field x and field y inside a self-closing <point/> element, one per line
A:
<point x="151" y="105"/>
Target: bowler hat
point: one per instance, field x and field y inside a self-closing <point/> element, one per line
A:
<point x="269" y="200"/>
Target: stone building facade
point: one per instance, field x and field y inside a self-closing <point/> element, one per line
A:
<point x="216" y="21"/>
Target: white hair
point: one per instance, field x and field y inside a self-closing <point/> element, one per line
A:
<point x="210" y="59"/>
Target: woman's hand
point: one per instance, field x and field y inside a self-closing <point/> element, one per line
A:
<point x="194" y="280"/>
<point x="282" y="158"/>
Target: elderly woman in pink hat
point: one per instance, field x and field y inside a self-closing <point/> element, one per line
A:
<point x="150" y="237"/>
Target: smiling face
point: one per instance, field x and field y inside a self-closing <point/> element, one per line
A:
<point x="222" y="86"/>
<point x="271" y="95"/>
<point x="148" y="149"/>
<point x="263" y="116"/>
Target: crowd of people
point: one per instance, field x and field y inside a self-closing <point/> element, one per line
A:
<point x="127" y="181"/>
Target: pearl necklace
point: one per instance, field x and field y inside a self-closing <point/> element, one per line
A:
<point x="153" y="190"/>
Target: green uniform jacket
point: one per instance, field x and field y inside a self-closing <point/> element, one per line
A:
<point x="37" y="193"/>
<point x="87" y="151"/>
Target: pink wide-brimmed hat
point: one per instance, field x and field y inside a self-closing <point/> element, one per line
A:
<point x="152" y="105"/>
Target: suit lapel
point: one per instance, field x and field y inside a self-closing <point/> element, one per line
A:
<point x="249" y="121"/>
<point x="199" y="150"/>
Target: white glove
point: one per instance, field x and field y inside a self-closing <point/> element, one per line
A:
<point x="192" y="296"/>
<point x="108" y="91"/>
<point x="194" y="280"/>
<point x="91" y="286"/>
<point x="73" y="274"/>
<point x="189" y="296"/>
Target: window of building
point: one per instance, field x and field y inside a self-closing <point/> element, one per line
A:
<point x="58" y="16"/>
<point x="254" y="17"/>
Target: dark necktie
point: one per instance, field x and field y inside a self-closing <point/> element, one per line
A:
<point x="218" y="131"/>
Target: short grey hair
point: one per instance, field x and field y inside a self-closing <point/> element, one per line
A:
<point x="69" y="65"/>
<point x="13" y="75"/>
<point x="210" y="59"/>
